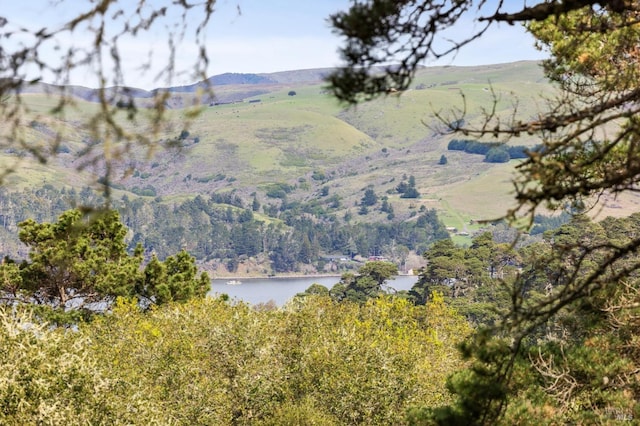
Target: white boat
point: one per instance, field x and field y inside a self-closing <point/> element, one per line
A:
<point x="234" y="282"/>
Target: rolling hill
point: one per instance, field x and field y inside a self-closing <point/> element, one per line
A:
<point x="262" y="131"/>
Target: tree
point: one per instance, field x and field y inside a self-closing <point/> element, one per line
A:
<point x="174" y="280"/>
<point x="292" y="93"/>
<point x="368" y="283"/>
<point x="589" y="146"/>
<point x="443" y="160"/>
<point x="78" y="260"/>
<point x="81" y="264"/>
<point x="314" y="289"/>
<point x="255" y="205"/>
<point x="411" y="192"/>
<point x="379" y="271"/>
<point x="370" y="198"/>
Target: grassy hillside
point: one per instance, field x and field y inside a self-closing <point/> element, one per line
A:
<point x="309" y="141"/>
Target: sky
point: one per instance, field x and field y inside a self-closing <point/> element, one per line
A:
<point x="251" y="36"/>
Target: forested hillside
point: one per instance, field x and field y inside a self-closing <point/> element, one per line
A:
<point x="278" y="182"/>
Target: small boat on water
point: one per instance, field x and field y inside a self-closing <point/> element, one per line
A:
<point x="234" y="282"/>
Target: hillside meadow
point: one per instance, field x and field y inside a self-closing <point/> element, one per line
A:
<point x="248" y="144"/>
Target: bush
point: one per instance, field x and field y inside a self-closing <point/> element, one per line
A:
<point x="318" y="175"/>
<point x="278" y="190"/>
<point x="147" y="191"/>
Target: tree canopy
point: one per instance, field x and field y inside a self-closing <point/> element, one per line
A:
<point x="80" y="264"/>
<point x="209" y="362"/>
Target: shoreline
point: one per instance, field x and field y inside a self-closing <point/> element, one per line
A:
<point x="278" y="277"/>
<point x="274" y="277"/>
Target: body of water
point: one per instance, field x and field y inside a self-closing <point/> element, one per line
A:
<point x="280" y="290"/>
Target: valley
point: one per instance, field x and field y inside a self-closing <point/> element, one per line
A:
<point x="279" y="145"/>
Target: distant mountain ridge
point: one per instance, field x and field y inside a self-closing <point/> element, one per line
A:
<point x="240" y="78"/>
<point x="307" y="76"/>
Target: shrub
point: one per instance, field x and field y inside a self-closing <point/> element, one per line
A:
<point x="318" y="175"/>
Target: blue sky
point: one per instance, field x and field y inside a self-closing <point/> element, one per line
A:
<point x="266" y="36"/>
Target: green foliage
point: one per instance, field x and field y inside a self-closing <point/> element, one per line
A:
<point x="408" y="189"/>
<point x="318" y="175"/>
<point x="458" y="144"/>
<point x="48" y="377"/>
<point x="493" y="152"/>
<point x="471" y="278"/>
<point x="174" y="280"/>
<point x="146" y="191"/>
<point x="214" y="363"/>
<point x="542" y="223"/>
<point x="221" y="227"/>
<point x="368" y="283"/>
<point x="565" y="339"/>
<point x="410" y="192"/>
<point x="78" y="259"/>
<point x="81" y="263"/>
<point x="520" y="151"/>
<point x="482" y="148"/>
<point x="314" y="289"/>
<point x="278" y="190"/>
<point x="369" y="199"/>
<point x="255" y="205"/>
<point x="581" y="284"/>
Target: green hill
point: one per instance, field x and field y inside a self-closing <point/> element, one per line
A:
<point x="307" y="141"/>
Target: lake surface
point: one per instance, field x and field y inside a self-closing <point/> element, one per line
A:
<point x="280" y="290"/>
